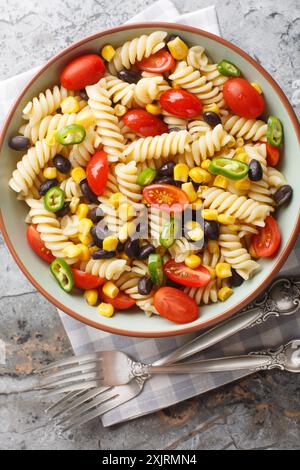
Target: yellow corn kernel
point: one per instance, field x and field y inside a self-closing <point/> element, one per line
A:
<point x="240" y="141"/>
<point x="175" y="85"/>
<point x="51" y="138"/>
<point x="193" y="261"/>
<point x="91" y="296"/>
<point x="223" y="270"/>
<point x="243" y="185"/>
<point x="201" y="190"/>
<point x="110" y="243"/>
<point x="110" y="289"/>
<point x="82" y="211"/>
<point x="120" y="110"/>
<point x="50" y="173"/>
<point x="214" y="108"/>
<point x="74" y="204"/>
<point x="178" y="48"/>
<point x="257" y="87"/>
<point x="106" y="310"/>
<point x="124" y="256"/>
<point x="116" y="199"/>
<point x="232" y="142"/>
<point x="85" y="252"/>
<point x="205" y="164"/>
<point x="220" y="182"/>
<point x="181" y="172"/>
<point x="69" y="105"/>
<point x="126" y="212"/>
<point x="239" y="150"/>
<point x="78" y="174"/>
<point x="127" y="230"/>
<point x="242" y="157"/>
<point x="86" y="239"/>
<point x="108" y="52"/>
<point x="86" y="118"/>
<point x="189" y="190"/>
<point x="197" y="204"/>
<point x="196" y="234"/>
<point x="210" y="214"/>
<point x="199" y="175"/>
<point x="226" y="219"/>
<point x="212" y="272"/>
<point x="213" y="247"/>
<point x="153" y="109"/>
<point x="252" y="252"/>
<point x="224" y="293"/>
<point x="61" y="177"/>
<point x="72" y="251"/>
<point x="85" y="226"/>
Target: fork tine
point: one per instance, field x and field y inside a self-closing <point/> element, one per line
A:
<point x="71" y="380"/>
<point x="70" y="361"/>
<point x="72" y="388"/>
<point x="70" y="370"/>
<point x="82" y="397"/>
<point x="62" y="400"/>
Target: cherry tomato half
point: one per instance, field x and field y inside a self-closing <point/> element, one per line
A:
<point x="121" y="302"/>
<point x="37" y="244"/>
<point x="266" y="243"/>
<point x="84" y="280"/>
<point x="144" y="123"/>
<point x="175" y="305"/>
<point x="97" y="172"/>
<point x="82" y="71"/>
<point x="180" y="103"/>
<point x="159" y="62"/>
<point x="182" y="274"/>
<point x="242" y="98"/>
<point x="273" y="155"/>
<point x="166" y="197"/>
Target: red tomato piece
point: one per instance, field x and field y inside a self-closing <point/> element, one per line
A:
<point x="121" y="302"/>
<point x="97" y="172"/>
<point x="175" y="305"/>
<point x="267" y="242"/>
<point x="37" y="244"/>
<point x="84" y="280"/>
<point x="144" y="123"/>
<point x="159" y="62"/>
<point x="242" y="98"/>
<point x="166" y="197"/>
<point x="182" y="274"/>
<point x="82" y="71"/>
<point x="180" y="103"/>
<point x="273" y="155"/>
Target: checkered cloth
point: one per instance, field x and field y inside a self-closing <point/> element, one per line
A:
<point x="163" y="391"/>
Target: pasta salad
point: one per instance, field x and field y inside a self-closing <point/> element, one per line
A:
<point x="150" y="177"/>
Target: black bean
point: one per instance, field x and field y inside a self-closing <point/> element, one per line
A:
<point x="167" y="169"/>
<point x="146" y="251"/>
<point x="132" y="247"/>
<point x="89" y="195"/>
<point x="141" y="230"/>
<point x="145" y="285"/>
<point x="19" y="142"/>
<point x="83" y="94"/>
<point x="129" y="76"/>
<point x="96" y="214"/>
<point x="283" y="195"/>
<point x="44" y="187"/>
<point x="211" y="229"/>
<point x="236" y="280"/>
<point x="62" y="164"/>
<point x="175" y="129"/>
<point x="255" y="172"/>
<point x="168" y="180"/>
<point x="99" y="232"/>
<point x="103" y="254"/>
<point x="64" y="210"/>
<point x="120" y="247"/>
<point x="213" y="119"/>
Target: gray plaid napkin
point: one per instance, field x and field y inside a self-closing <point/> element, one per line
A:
<point x="163" y="391"/>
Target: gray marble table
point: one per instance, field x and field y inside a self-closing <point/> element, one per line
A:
<point x="261" y="412"/>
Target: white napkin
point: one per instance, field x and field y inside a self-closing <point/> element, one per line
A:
<point x="163" y="391"/>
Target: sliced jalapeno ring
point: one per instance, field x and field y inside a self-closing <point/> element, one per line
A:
<point x="155" y="268"/>
<point x="54" y="199"/>
<point x="62" y="274"/>
<point x="228" y="69"/>
<point x="275" y="131"/>
<point x="232" y="169"/>
<point x="70" y="135"/>
<point x="146" y="177"/>
<point x="167" y="235"/>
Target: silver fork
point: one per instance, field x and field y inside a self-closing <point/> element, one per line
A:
<point x="282" y="298"/>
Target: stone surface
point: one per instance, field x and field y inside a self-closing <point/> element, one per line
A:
<point x="261" y="412"/>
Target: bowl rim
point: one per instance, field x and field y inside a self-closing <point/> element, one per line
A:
<point x="287" y="248"/>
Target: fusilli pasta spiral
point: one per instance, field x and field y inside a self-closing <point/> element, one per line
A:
<point x="249" y="129"/>
<point x="127" y="180"/>
<point x="120" y="91"/>
<point x="110" y="269"/>
<point x="47" y="103"/>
